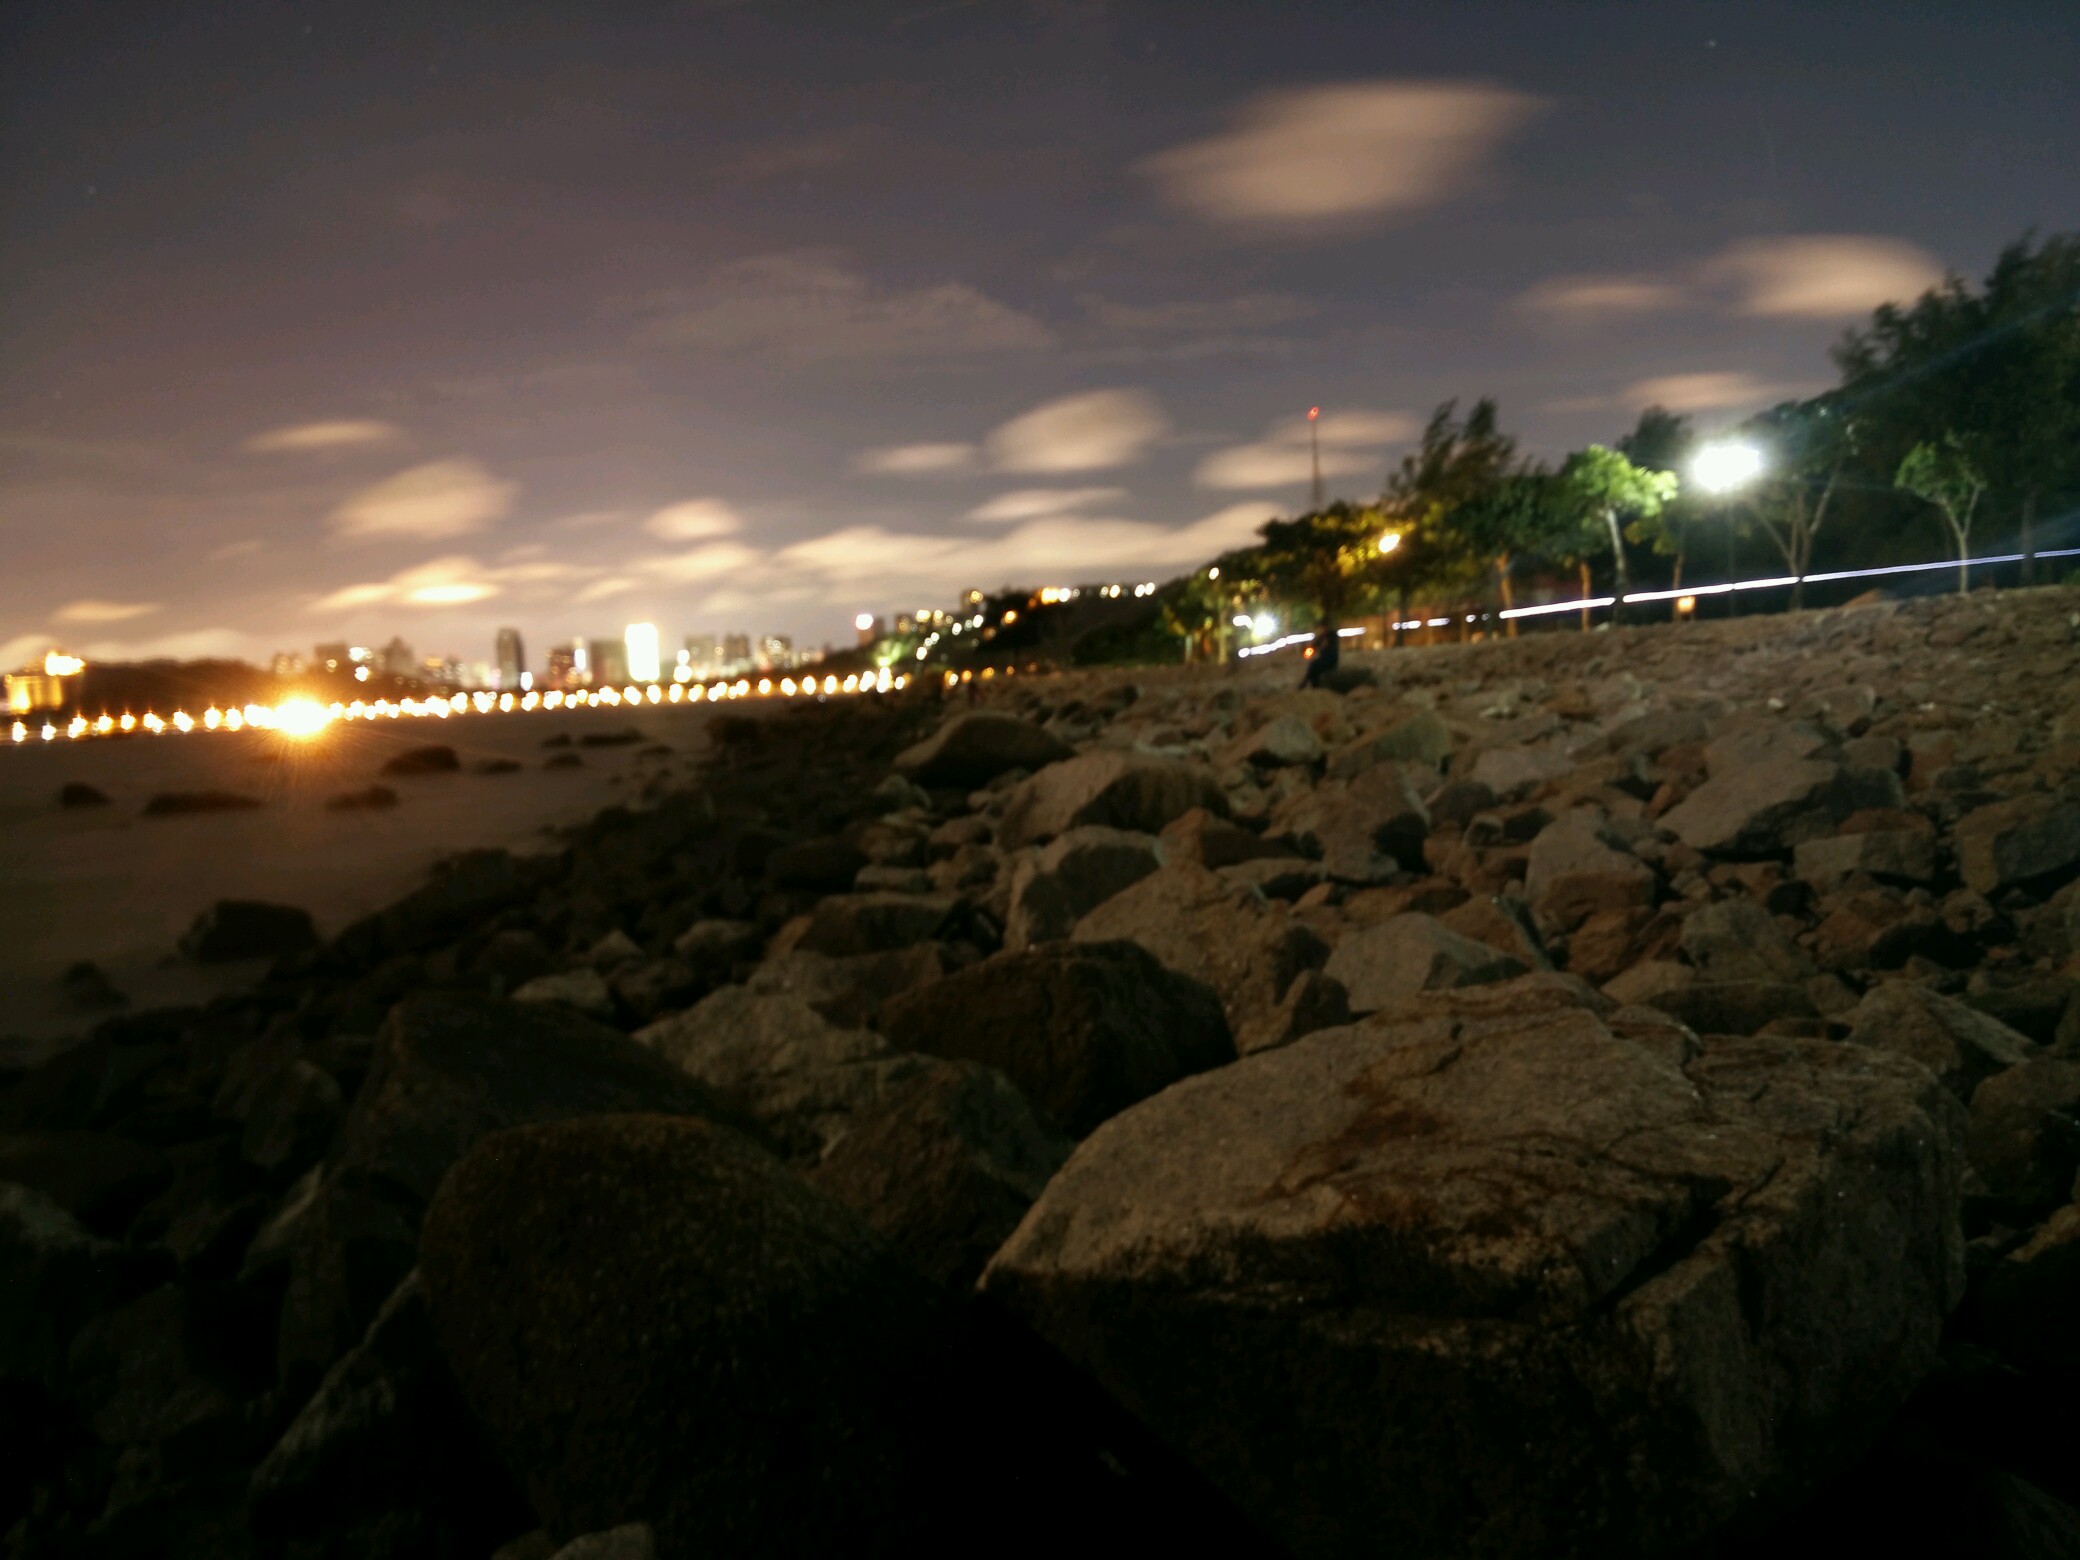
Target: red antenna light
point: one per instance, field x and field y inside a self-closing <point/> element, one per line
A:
<point x="1313" y="412"/>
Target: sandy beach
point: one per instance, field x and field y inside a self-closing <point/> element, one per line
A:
<point x="110" y="885"/>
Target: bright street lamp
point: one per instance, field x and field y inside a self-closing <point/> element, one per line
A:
<point x="1725" y="466"/>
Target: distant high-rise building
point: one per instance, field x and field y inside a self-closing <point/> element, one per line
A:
<point x="736" y="652"/>
<point x="512" y="658"/>
<point x="971" y="598"/>
<point x="776" y="653"/>
<point x="607" y="661"/>
<point x="868" y="627"/>
<point x="330" y="657"/>
<point x="639" y="640"/>
<point x="563" y="666"/>
<point x="395" y="658"/>
<point x="286" y="663"/>
<point x="703" y="653"/>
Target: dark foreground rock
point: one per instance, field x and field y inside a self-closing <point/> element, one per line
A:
<point x="248" y="929"/>
<point x="658" y="1322"/>
<point x="77" y="793"/>
<point x="435" y="758"/>
<point x="1501" y="1283"/>
<point x="976" y="746"/>
<point x="447" y="1070"/>
<point x="176" y="804"/>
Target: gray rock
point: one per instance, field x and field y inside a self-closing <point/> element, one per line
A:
<point x="630" y="1541"/>
<point x="1766" y="790"/>
<point x="850" y="991"/>
<point x="2024" y="1132"/>
<point x="780" y="1063"/>
<point x="1315" y="1000"/>
<point x="1576" y="869"/>
<point x="1382" y="967"/>
<point x="864" y="923"/>
<point x="943" y="1167"/>
<point x="1960" y="1046"/>
<point x="1726" y="1007"/>
<point x="717" y="943"/>
<point x="1738" y="940"/>
<point x="1892" y="855"/>
<point x="1202" y="926"/>
<point x="1083" y="1029"/>
<point x="1515" y="770"/>
<point x="1286" y="741"/>
<point x="1056" y="886"/>
<point x="2024" y="840"/>
<point x="976" y="746"/>
<point x="1363" y="830"/>
<point x="583" y="989"/>
<point x="1421" y="738"/>
<point x="613" y="950"/>
<point x="1118" y="789"/>
<point x="1547" y="1292"/>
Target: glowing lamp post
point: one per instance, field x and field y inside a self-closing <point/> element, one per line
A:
<point x="1721" y="468"/>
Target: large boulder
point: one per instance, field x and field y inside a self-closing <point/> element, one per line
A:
<point x="1960" y="1045"/>
<point x="1083" y="1029"/>
<point x="448" y="1068"/>
<point x="1497" y="1281"/>
<point x="656" y="1321"/>
<point x="1381" y="967"/>
<point x="1121" y="790"/>
<point x="976" y="746"/>
<point x="1056" y="886"/>
<point x="54" y="1274"/>
<point x="943" y="1167"/>
<point x="779" y="1062"/>
<point x="850" y="989"/>
<point x="2030" y="1298"/>
<point x="1221" y="933"/>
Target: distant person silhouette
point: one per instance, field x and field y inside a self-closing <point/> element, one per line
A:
<point x="1328" y="650"/>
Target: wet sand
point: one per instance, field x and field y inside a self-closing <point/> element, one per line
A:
<point x="109" y="885"/>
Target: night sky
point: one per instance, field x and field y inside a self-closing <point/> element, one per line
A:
<point x="324" y="322"/>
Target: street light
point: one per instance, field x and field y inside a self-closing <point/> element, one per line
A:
<point x="1726" y="465"/>
<point x="1722" y="467"/>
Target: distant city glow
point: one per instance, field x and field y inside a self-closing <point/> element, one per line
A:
<point x="301" y="718"/>
<point x="1725" y="466"/>
<point x="864" y="622"/>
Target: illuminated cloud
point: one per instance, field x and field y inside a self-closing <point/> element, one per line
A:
<point x="1806" y="276"/>
<point x="105" y="611"/>
<point x="695" y="520"/>
<point x="303" y="438"/>
<point x="1590" y="298"/>
<point x="916" y="460"/>
<point x="1248" y="311"/>
<point x="1707" y="392"/>
<point x="804" y="306"/>
<point x="1032" y="503"/>
<point x="1823" y="276"/>
<point x="243" y="549"/>
<point x="441" y="498"/>
<point x="24" y="650"/>
<point x="1323" y="154"/>
<point x="603" y="590"/>
<point x="1350" y="442"/>
<point x="703" y="563"/>
<point x="1094" y="431"/>
<point x="445" y="582"/>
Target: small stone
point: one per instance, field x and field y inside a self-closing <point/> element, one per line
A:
<point x="1382" y="967"/>
<point x="368" y="799"/>
<point x="436" y="758"/>
<point x="77" y="793"/>
<point x="583" y="989"/>
<point x="248" y="929"/>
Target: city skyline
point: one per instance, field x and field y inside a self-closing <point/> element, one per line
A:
<point x="475" y="328"/>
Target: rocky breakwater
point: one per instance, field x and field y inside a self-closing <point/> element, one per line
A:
<point x="1611" y="1094"/>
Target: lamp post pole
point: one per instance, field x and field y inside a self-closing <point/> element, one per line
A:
<point x="1314" y="441"/>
